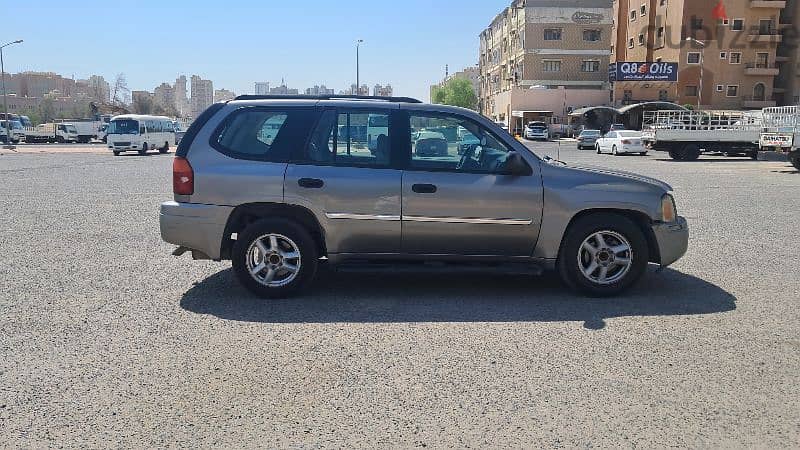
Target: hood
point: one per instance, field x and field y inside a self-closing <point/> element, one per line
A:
<point x="611" y="173"/>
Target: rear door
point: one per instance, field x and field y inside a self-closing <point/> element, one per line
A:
<point x="351" y="186"/>
<point x="463" y="203"/>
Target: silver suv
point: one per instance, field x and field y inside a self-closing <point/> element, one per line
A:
<point x="279" y="184"/>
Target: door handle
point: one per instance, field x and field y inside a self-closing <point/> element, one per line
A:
<point x="424" y="188"/>
<point x="311" y="183"/>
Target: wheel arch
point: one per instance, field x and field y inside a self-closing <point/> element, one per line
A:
<point x="244" y="215"/>
<point x="642" y="220"/>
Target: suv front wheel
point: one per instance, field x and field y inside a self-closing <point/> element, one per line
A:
<point x="275" y="258"/>
<point x="603" y="254"/>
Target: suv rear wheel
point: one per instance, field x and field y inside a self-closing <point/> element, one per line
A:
<point x="603" y="254"/>
<point x="275" y="258"/>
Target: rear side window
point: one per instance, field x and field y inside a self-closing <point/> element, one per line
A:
<point x="351" y="138"/>
<point x="263" y="134"/>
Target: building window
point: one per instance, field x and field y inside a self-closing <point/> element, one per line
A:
<point x="736" y="58"/>
<point x="590" y="66"/>
<point x="551" y="65"/>
<point x="663" y="3"/>
<point x="641" y="39"/>
<point x="720" y="88"/>
<point x="592" y="35"/>
<point x="643" y="10"/>
<point x="697" y="23"/>
<point x="733" y="91"/>
<point x="630" y="43"/>
<point x="633" y="15"/>
<point x="552" y="34"/>
<point x="691" y="91"/>
<point x="693" y="58"/>
<point x="737" y="25"/>
<point x="612" y="49"/>
<point x="723" y="55"/>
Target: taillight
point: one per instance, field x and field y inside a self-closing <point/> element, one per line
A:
<point x="626" y="142"/>
<point x="182" y="177"/>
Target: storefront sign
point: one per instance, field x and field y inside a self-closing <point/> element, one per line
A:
<point x="643" y="71"/>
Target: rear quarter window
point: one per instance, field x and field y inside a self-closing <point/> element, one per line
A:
<point x="263" y="134"/>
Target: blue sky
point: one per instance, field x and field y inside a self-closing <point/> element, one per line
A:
<point x="235" y="43"/>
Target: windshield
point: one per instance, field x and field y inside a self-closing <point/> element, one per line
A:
<point x="123" y="126"/>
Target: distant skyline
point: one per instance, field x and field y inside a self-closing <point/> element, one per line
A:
<point x="236" y="44"/>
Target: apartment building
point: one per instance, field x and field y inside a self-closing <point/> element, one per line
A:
<point x="729" y="61"/>
<point x="319" y="90"/>
<point x="164" y="97"/>
<point x="383" y="91"/>
<point x="472" y="74"/>
<point x="540" y="59"/>
<point x="202" y="95"/>
<point x="261" y="88"/>
<point x="182" y="103"/>
<point x="223" y="95"/>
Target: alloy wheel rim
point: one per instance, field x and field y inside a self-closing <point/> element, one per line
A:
<point x="605" y="257"/>
<point x="273" y="260"/>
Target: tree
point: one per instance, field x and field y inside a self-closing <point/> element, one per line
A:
<point x="47" y="110"/>
<point x="456" y="92"/>
<point x="119" y="94"/>
<point x="143" y="105"/>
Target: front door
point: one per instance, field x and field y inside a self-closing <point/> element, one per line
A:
<point x="349" y="184"/>
<point x="458" y="201"/>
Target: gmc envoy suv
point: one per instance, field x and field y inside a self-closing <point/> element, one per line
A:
<point x="279" y="184"/>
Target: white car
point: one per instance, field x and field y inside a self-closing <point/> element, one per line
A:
<point x="537" y="130"/>
<point x="621" y="143"/>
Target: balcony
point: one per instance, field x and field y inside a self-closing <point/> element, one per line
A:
<point x="757" y="103"/>
<point x="767" y="36"/>
<point x="779" y="4"/>
<point x="761" y="70"/>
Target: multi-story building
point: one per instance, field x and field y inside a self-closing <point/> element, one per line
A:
<point x="283" y="90"/>
<point x="787" y="84"/>
<point x="319" y="90"/>
<point x="223" y="95"/>
<point x="725" y="52"/>
<point x="164" y="98"/>
<point x="182" y="104"/>
<point x="202" y="95"/>
<point x="261" y="88"/>
<point x="382" y="91"/>
<point x="39" y="84"/>
<point x="539" y="59"/>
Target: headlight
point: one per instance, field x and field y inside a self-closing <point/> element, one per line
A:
<point x="669" y="212"/>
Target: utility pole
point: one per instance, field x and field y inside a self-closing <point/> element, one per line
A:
<point x="358" y="68"/>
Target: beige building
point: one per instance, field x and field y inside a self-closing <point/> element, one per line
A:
<point x="472" y="74"/>
<point x="733" y="67"/>
<point x="202" y="95"/>
<point x="536" y="46"/>
<point x="223" y="95"/>
<point x="383" y="91"/>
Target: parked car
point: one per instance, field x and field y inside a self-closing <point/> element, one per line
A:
<point x="429" y="144"/>
<point x="276" y="208"/>
<point x="621" y="143"/>
<point x="537" y="130"/>
<point x="588" y="139"/>
<point x="618" y="127"/>
<point x="16" y="129"/>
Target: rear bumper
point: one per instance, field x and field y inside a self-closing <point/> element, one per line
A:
<point x="197" y="227"/>
<point x="672" y="239"/>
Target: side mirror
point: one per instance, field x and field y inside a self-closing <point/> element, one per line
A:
<point x="516" y="166"/>
<point x="484" y="141"/>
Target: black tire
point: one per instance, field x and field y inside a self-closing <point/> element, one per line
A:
<point x="116" y="153"/>
<point x="597" y="148"/>
<point x="164" y="149"/>
<point x="676" y="154"/>
<point x="753" y="155"/>
<point x="144" y="149"/>
<point x="614" y="151"/>
<point x="691" y="152"/>
<point x="60" y="140"/>
<point x="642" y="153"/>
<point x="585" y="227"/>
<point x="794" y="158"/>
<point x="309" y="258"/>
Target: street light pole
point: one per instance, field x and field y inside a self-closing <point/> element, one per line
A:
<point x="5" y="94"/>
<point x="702" y="70"/>
<point x="358" y="68"/>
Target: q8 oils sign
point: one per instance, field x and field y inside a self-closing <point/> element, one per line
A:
<point x="643" y="71"/>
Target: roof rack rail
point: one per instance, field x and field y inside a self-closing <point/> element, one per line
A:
<point x="328" y="97"/>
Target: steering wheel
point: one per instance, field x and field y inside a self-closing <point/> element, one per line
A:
<point x="466" y="158"/>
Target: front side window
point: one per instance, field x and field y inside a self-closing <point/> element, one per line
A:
<point x="353" y="139"/>
<point x="262" y="134"/>
<point x="452" y="144"/>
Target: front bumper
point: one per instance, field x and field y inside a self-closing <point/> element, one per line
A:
<point x="672" y="240"/>
<point x="196" y="227"/>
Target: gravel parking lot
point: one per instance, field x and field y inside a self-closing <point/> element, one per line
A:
<point x="107" y="340"/>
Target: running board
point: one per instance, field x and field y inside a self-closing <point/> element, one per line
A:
<point x="441" y="268"/>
